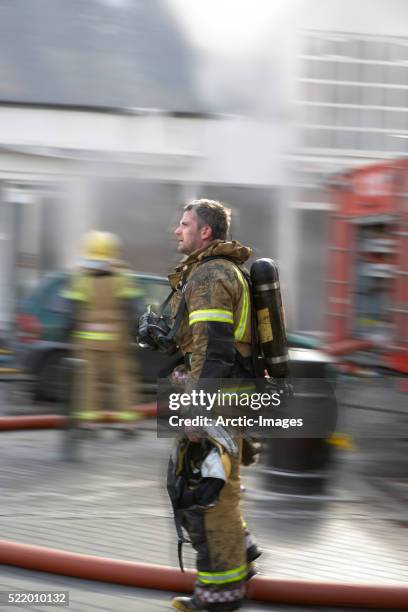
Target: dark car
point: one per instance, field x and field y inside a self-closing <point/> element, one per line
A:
<point x="41" y="344"/>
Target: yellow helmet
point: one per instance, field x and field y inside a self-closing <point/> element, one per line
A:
<point x="103" y="246"/>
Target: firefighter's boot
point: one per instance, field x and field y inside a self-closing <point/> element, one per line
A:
<point x="185" y="604"/>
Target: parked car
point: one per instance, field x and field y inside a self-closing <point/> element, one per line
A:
<point x="41" y="346"/>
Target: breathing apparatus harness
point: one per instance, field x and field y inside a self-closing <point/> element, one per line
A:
<point x="268" y="335"/>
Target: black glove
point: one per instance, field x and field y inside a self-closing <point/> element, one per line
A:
<point x="283" y="386"/>
<point x="204" y="495"/>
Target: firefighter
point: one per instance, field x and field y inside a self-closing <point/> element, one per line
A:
<point x="104" y="307"/>
<point x="214" y="336"/>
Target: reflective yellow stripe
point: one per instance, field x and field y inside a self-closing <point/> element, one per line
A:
<point x="127" y="416"/>
<point x="212" y="314"/>
<point x="125" y="286"/>
<point x="81" y="288"/>
<point x="90" y="335"/>
<point x="239" y="331"/>
<point x="234" y="575"/>
<point x="238" y="390"/>
<point x="242" y="388"/>
<point x="129" y="292"/>
<point x="73" y="295"/>
<point x="87" y="415"/>
<point x="226" y="316"/>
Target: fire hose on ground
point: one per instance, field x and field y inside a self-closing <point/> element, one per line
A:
<point x="143" y="575"/>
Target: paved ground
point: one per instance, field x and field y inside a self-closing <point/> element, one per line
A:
<point x="113" y="503"/>
<point x="86" y="595"/>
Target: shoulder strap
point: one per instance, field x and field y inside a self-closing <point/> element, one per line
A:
<point x="165" y="303"/>
<point x="179" y="314"/>
<point x="211" y="257"/>
<point x="243" y="271"/>
<point x="179" y="317"/>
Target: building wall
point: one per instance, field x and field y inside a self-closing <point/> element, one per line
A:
<point x="351" y="109"/>
<point x="131" y="174"/>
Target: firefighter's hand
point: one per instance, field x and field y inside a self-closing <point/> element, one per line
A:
<point x="178" y="377"/>
<point x="194" y="434"/>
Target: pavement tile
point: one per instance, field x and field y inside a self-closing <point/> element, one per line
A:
<point x="113" y="503"/>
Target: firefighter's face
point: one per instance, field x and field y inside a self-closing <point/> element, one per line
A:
<point x="189" y="235"/>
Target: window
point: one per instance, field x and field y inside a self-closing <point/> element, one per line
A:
<point x="327" y="115"/>
<point x="345" y="139"/>
<point x="325" y="70"/>
<point x="155" y="291"/>
<point x="372" y="73"/>
<point x="322" y="138"/>
<point x="396" y="97"/>
<point x="348" y="71"/>
<point x="396" y="120"/>
<point x="52" y="300"/>
<point x="327" y="93"/>
<point x="372" y="141"/>
<point x="347" y="94"/>
<point x="336" y="52"/>
<point x="374" y="50"/>
<point x="346" y="117"/>
<point x="395" y="144"/>
<point x="397" y="52"/>
<point x="371" y="118"/>
<point x="397" y="75"/>
<point x="372" y="96"/>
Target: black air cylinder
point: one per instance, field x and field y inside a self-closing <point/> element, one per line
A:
<point x="270" y="316"/>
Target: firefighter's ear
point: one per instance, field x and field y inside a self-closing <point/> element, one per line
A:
<point x="206" y="232"/>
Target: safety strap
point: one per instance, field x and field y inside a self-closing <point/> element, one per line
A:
<point x="180" y="538"/>
<point x="166" y="302"/>
<point x="179" y="317"/>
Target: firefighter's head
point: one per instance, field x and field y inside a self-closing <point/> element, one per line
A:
<point x="202" y="222"/>
<point x="101" y="246"/>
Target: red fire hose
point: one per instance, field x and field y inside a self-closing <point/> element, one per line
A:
<point x="143" y="575"/>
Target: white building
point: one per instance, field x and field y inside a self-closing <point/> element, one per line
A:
<point x="81" y="144"/>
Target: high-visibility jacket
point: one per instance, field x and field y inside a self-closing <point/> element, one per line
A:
<point x="218" y="315"/>
<point x="101" y="314"/>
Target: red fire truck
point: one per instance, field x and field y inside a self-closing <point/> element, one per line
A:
<point x="368" y="264"/>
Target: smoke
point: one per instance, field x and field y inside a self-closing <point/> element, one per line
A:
<point x="242" y="45"/>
